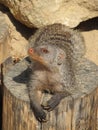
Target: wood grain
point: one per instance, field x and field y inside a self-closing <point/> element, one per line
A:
<point x="78" y="112"/>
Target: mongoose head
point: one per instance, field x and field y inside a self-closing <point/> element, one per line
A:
<point x="71" y="41"/>
<point x="47" y="55"/>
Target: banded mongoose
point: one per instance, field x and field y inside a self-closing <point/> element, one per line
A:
<point x="54" y="51"/>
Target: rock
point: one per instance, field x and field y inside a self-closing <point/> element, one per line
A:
<point x="91" y="40"/>
<point x="4" y="38"/>
<point x="39" y="13"/>
<point x="16" y="44"/>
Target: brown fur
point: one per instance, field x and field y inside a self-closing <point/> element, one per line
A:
<point x="54" y="71"/>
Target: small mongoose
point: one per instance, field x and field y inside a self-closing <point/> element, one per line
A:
<point x="54" y="51"/>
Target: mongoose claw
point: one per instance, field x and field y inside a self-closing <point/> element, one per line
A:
<point x="51" y="104"/>
<point x="42" y="120"/>
<point x="40" y="116"/>
<point x="48" y="108"/>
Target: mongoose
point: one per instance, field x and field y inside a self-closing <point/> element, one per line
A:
<point x="54" y="50"/>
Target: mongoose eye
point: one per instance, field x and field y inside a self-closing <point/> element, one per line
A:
<point x="44" y="50"/>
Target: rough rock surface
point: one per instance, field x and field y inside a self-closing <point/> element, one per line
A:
<point x="4" y="38"/>
<point x="12" y="42"/>
<point x="90" y="34"/>
<point x="91" y="40"/>
<point x="39" y="13"/>
<point x="18" y="43"/>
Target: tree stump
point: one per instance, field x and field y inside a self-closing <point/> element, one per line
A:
<point x="76" y="112"/>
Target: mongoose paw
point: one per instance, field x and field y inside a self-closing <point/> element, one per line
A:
<point x="40" y="115"/>
<point x="51" y="104"/>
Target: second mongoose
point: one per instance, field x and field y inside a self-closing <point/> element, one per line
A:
<point x="54" y="51"/>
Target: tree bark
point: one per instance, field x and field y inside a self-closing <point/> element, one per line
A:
<point x="78" y="112"/>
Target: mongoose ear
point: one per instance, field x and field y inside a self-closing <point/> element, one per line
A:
<point x="60" y="58"/>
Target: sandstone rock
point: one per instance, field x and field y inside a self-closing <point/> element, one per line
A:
<point x="16" y="45"/>
<point x="39" y="13"/>
<point x="91" y="40"/>
<point x="4" y="38"/>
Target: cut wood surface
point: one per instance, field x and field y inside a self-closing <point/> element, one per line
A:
<point x="76" y="112"/>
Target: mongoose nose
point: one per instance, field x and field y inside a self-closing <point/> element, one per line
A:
<point x="31" y="50"/>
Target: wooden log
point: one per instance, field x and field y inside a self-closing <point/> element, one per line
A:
<point x="76" y="112"/>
